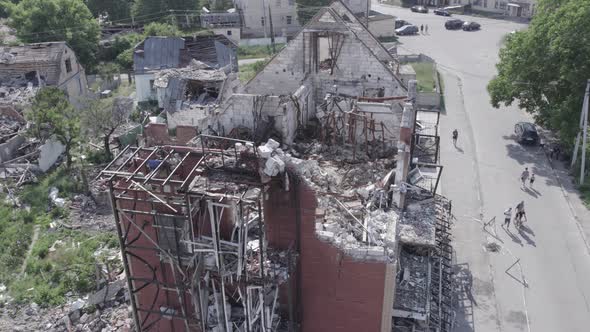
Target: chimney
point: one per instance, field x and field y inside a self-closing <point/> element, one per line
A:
<point x="403" y="153"/>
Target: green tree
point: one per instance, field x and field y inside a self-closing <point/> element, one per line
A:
<point x="155" y="7"/>
<point x="545" y="67"/>
<point x="306" y="9"/>
<point x="113" y="9"/>
<point x="52" y="115"/>
<point x="161" y="29"/>
<point x="51" y="20"/>
<point x="101" y="118"/>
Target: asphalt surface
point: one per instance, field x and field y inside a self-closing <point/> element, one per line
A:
<point x="548" y="289"/>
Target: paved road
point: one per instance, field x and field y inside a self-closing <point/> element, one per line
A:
<point x="549" y="289"/>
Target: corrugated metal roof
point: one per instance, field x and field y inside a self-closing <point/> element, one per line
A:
<point x="158" y="53"/>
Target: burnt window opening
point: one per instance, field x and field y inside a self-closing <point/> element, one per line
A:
<point x="32" y="77"/>
<point x="201" y="93"/>
<point x="68" y="65"/>
<point x="152" y="85"/>
<point x="229" y="32"/>
<point x="172" y="234"/>
<point x="328" y="48"/>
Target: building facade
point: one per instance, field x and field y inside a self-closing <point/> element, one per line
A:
<point x="257" y="14"/>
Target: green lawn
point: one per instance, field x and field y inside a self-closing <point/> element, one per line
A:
<point x="247" y="72"/>
<point x="255" y="52"/>
<point x="425" y="75"/>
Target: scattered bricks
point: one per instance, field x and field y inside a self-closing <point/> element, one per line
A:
<point x="264" y="151"/>
<point x="274" y="166"/>
<point x="272" y="144"/>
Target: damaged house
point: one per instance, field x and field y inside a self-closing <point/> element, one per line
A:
<point x="298" y="204"/>
<point x="160" y="53"/>
<point x="23" y="69"/>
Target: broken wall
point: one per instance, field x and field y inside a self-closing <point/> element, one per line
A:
<point x="335" y="292"/>
<point x="8" y="148"/>
<point x="158" y="134"/>
<point x="356" y="67"/>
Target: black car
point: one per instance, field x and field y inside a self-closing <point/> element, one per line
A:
<point x="470" y="26"/>
<point x="407" y="30"/>
<point x="419" y="9"/>
<point x="526" y="133"/>
<point x="454" y="24"/>
<point x="441" y="12"/>
<point x="401" y="23"/>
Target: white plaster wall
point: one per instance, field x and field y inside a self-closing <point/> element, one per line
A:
<point x="234" y="36"/>
<point x="254" y="10"/>
<point x="357" y="6"/>
<point x="143" y="89"/>
<point x="383" y="28"/>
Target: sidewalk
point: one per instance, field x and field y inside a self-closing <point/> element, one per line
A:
<point x="579" y="211"/>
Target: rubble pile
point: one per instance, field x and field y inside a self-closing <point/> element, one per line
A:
<point x="413" y="283"/>
<point x="417" y="225"/>
<point x="17" y="94"/>
<point x="91" y="313"/>
<point x="354" y="197"/>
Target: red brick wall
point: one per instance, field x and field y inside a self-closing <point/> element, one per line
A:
<point x="337" y="293"/>
<point x="157" y="134"/>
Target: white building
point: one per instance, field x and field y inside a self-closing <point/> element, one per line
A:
<point x="256" y="19"/>
<point x="519" y="8"/>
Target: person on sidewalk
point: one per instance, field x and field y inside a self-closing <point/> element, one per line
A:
<point x="426" y="28"/>
<point x="455" y="136"/>
<point x="422" y="29"/>
<point x="532" y="180"/>
<point x="519" y="214"/>
<point x="524" y="176"/>
<point x="507" y="217"/>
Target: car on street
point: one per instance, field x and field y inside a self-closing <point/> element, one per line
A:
<point x="470" y="26"/>
<point x="419" y="9"/>
<point x="526" y="133"/>
<point x="441" y="12"/>
<point x="407" y="30"/>
<point x="401" y="23"/>
<point x="454" y="24"/>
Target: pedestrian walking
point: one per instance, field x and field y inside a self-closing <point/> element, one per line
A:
<point x="507" y="217"/>
<point x="532" y="180"/>
<point x="421" y="28"/>
<point x="426" y="28"/>
<point x="455" y="136"/>
<point x="520" y="213"/>
<point x="524" y="176"/>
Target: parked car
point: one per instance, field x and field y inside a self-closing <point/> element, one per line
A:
<point x="407" y="30"/>
<point x="454" y="24"/>
<point x="526" y="133"/>
<point x="419" y="9"/>
<point x="470" y="26"/>
<point x="401" y="23"/>
<point x="441" y="12"/>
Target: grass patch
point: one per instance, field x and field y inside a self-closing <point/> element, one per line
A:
<point x="247" y="72"/>
<point x="69" y="266"/>
<point x="389" y="39"/>
<point x="425" y="75"/>
<point x="585" y="194"/>
<point x="37" y="195"/>
<point x="16" y="227"/>
<point x="255" y="52"/>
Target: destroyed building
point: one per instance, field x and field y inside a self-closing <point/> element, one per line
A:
<point x="23" y="69"/>
<point x="160" y="53"/>
<point x="298" y="205"/>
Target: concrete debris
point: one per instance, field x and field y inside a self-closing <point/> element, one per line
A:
<point x="76" y="315"/>
<point x="18" y="93"/>
<point x="492" y="245"/>
<point x="417" y="227"/>
<point x="53" y="196"/>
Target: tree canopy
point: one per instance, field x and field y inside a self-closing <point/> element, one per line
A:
<point x="545" y="67"/>
<point x="306" y="9"/>
<point x="52" y="115"/>
<point x="57" y="20"/>
<point x="151" y="7"/>
<point x="113" y="9"/>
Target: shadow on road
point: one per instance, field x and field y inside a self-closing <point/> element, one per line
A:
<point x="531" y="192"/>
<point x="513" y="237"/>
<point x="464" y="299"/>
<point x="527" y="156"/>
<point x="526" y="237"/>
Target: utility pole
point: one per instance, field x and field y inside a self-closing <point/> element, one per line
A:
<point x="264" y="15"/>
<point x="272" y="32"/>
<point x="367" y="13"/>
<point x="583" y="133"/>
